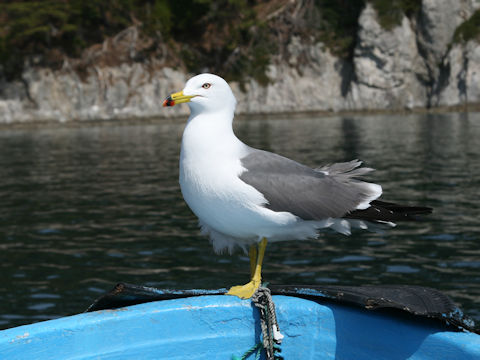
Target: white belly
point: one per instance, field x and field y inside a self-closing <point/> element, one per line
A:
<point x="220" y="199"/>
<point x="230" y="211"/>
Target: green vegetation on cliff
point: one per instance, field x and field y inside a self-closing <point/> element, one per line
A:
<point x="391" y="12"/>
<point x="337" y="24"/>
<point x="235" y="38"/>
<point x="205" y="32"/>
<point x="469" y="30"/>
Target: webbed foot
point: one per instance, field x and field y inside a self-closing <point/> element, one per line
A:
<point x="244" y="291"/>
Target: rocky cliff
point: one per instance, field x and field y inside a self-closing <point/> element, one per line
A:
<point x="415" y="64"/>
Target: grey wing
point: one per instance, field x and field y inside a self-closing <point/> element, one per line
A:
<point x="311" y="194"/>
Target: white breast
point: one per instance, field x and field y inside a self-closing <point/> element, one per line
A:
<point x="209" y="169"/>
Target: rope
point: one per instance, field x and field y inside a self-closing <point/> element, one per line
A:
<point x="257" y="347"/>
<point x="272" y="338"/>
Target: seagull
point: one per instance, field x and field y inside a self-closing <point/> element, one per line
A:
<point x="243" y="196"/>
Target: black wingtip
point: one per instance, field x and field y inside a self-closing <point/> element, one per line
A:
<point x="386" y="211"/>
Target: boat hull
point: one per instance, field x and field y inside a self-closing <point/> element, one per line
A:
<point x="217" y="327"/>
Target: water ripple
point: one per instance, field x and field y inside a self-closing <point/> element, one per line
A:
<point x="85" y="208"/>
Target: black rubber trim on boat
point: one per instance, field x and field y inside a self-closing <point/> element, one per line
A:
<point x="404" y="300"/>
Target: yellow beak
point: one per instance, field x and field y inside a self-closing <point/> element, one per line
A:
<point x="177" y="98"/>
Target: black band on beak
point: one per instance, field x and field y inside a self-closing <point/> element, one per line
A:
<point x="168" y="101"/>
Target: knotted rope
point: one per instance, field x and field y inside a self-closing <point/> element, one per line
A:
<point x="271" y="336"/>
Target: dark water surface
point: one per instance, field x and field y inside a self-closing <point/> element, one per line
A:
<point x="84" y="208"/>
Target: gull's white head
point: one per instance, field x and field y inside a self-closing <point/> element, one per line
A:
<point x="204" y="93"/>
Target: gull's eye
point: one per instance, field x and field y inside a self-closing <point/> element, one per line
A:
<point x="206" y="85"/>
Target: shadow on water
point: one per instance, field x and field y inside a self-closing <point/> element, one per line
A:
<point x="351" y="142"/>
<point x="85" y="208"/>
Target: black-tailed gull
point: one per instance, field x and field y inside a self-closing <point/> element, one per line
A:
<point x="243" y="196"/>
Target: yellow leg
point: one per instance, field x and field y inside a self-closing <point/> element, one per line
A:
<point x="252" y="253"/>
<point x="246" y="291"/>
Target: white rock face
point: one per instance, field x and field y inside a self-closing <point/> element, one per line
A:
<point x="438" y="21"/>
<point x="412" y="65"/>
<point x="316" y="87"/>
<point x="386" y="65"/>
<point x="472" y="77"/>
<point x="460" y="84"/>
<point x="109" y="92"/>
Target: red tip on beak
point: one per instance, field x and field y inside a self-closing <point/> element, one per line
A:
<point x="168" y="102"/>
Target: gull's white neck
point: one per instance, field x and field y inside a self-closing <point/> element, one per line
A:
<point x="209" y="136"/>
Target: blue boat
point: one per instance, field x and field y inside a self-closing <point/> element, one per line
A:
<point x="211" y="326"/>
